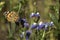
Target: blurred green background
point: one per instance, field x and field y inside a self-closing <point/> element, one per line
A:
<point x="48" y="9"/>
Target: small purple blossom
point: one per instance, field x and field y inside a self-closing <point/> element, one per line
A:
<point x="40" y="25"/>
<point x="26" y="24"/>
<point x="32" y="15"/>
<point x="27" y="38"/>
<point x="34" y="25"/>
<point x="24" y="20"/>
<point x="28" y="33"/>
<point x="35" y="14"/>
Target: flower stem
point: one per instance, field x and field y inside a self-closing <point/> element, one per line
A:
<point x="43" y="35"/>
<point x="19" y="8"/>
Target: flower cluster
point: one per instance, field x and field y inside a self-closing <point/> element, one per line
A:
<point x="35" y="16"/>
<point x="42" y="25"/>
<point x="37" y="25"/>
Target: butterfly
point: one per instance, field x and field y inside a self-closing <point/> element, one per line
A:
<point x="11" y="16"/>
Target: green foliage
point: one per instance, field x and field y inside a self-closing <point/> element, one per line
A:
<point x="1" y="5"/>
<point x="20" y="8"/>
<point x="54" y="17"/>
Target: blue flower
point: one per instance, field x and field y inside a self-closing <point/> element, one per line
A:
<point x="34" y="25"/>
<point x="32" y="15"/>
<point x="28" y="33"/>
<point x="27" y="38"/>
<point x="40" y="25"/>
<point x="26" y="24"/>
<point x="22" y="21"/>
<point x="35" y="14"/>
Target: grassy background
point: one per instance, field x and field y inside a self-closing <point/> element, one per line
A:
<point x="28" y="6"/>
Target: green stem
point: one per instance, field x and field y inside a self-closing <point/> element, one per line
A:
<point x="52" y="36"/>
<point x="9" y="30"/>
<point x="19" y="8"/>
<point x="43" y="35"/>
